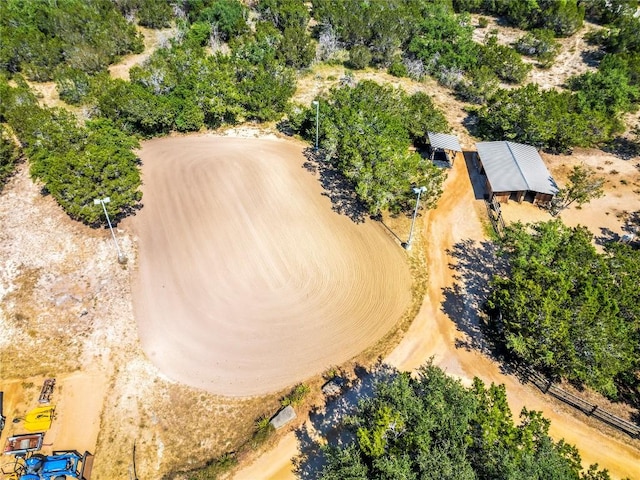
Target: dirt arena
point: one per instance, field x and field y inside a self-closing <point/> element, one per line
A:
<point x="248" y="281"/>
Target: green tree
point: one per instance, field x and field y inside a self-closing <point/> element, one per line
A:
<point x="558" y="308"/>
<point x="431" y="427"/>
<point x="546" y="119"/>
<point x="87" y="35"/>
<point x="583" y="186"/>
<point x="104" y="166"/>
<point x="9" y="155"/>
<point x="73" y="85"/>
<point x="541" y="44"/>
<point x="359" y="57"/>
<point x="503" y="60"/>
<point x="367" y="131"/>
<point x="229" y="17"/>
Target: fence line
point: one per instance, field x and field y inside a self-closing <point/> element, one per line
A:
<point x="495" y="215"/>
<point x="547" y="386"/>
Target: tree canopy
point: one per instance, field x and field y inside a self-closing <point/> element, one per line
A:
<point x="430" y="426"/>
<point x="367" y="131"/>
<point x="38" y="38"/>
<point x="567" y="309"/>
<point x="564" y="17"/>
<point x="583" y="186"/>
<point x="75" y="163"/>
<point x="9" y="155"/>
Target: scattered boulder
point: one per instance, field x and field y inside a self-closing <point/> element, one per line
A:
<point x="283" y="417"/>
<point x="333" y="387"/>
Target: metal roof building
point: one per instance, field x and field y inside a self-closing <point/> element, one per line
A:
<point x="515" y="172"/>
<point x="443" y="142"/>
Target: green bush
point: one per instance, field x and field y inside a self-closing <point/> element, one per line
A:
<point x="9" y="155"/>
<point x="263" y="431"/>
<point x="87" y="35"/>
<point x="540" y="44"/>
<point x="296" y="396"/>
<point x="398" y="68"/>
<point x="503" y="60"/>
<point x="359" y="57"/>
<point x="73" y="85"/>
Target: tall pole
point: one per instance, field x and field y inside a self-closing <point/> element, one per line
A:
<point x="102" y="201"/>
<point x="418" y="191"/>
<point x="317" y="104"/>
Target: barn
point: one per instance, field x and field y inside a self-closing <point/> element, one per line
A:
<point x="444" y="147"/>
<point x="515" y="172"/>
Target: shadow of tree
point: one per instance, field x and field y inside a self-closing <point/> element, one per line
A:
<point x="474" y="266"/>
<point x="325" y="427"/>
<point x="336" y="187"/>
<point x="623" y="148"/>
<point x="606" y="236"/>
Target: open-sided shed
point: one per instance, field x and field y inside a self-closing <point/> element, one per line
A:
<point x="515" y="172"/>
<point x="446" y="144"/>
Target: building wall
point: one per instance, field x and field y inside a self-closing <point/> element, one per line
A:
<point x="542" y="198"/>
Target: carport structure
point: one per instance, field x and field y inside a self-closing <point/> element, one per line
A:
<point x="515" y="172"/>
<point x="446" y="144"/>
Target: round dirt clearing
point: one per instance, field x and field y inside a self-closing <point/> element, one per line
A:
<point x="247" y="280"/>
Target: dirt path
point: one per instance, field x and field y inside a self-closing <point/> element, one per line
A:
<point x="435" y="333"/>
<point x="153" y="39"/>
<point x="243" y="262"/>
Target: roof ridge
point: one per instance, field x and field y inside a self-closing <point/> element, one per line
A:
<point x="515" y="159"/>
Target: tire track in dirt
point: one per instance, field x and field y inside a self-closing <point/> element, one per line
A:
<point x="248" y="281"/>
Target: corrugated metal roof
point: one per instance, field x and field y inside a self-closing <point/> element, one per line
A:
<point x="444" y="141"/>
<point x="513" y="167"/>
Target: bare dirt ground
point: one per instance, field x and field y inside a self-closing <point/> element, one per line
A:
<point x="153" y="39"/>
<point x="574" y="58"/>
<point x="247" y="280"/>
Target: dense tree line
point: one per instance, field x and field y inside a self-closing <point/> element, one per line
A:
<point x="182" y="88"/>
<point x="589" y="112"/>
<point x="148" y="13"/>
<point x="75" y="163"/>
<point x="40" y="38"/>
<point x="567" y="309"/>
<point x="366" y="131"/>
<point x="185" y="88"/>
<point x="431" y="426"/>
<point x="587" y="115"/>
<point x="428" y="36"/>
<point x="9" y="155"/>
<point x="564" y="17"/>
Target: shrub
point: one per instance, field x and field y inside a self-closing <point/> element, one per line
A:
<point x="9" y="155"/>
<point x="359" y="57"/>
<point x="296" y="396"/>
<point x="398" y="68"/>
<point x="540" y="44"/>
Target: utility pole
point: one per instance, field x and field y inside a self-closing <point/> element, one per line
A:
<point x="418" y="191"/>
<point x="101" y="201"/>
<point x="317" y="104"/>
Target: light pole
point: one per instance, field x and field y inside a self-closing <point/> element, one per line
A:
<point x="418" y="191"/>
<point x="317" y="104"/>
<point x="102" y="201"/>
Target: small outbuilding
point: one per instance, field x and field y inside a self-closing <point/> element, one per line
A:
<point x="445" y="146"/>
<point x="515" y="172"/>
